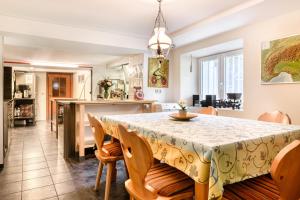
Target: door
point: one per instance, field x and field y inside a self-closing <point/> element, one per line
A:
<point x="59" y="85"/>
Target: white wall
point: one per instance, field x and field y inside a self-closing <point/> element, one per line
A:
<point x="159" y="94"/>
<point x="41" y="95"/>
<point x="98" y="74"/>
<point x="257" y="98"/>
<point x="1" y="100"/>
<point x="41" y="86"/>
<point x="82" y="90"/>
<point x="189" y="79"/>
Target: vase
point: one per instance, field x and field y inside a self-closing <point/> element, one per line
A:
<point x="106" y="94"/>
<point x="182" y="113"/>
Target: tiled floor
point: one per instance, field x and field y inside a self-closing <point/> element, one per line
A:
<point x="35" y="170"/>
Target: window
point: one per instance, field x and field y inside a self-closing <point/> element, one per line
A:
<point x="221" y="74"/>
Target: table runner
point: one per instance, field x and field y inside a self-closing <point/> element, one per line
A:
<point x="214" y="149"/>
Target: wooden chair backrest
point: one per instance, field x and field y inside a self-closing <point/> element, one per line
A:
<point x="138" y="157"/>
<point x="97" y="129"/>
<point x="208" y="111"/>
<point x="285" y="171"/>
<point x="275" y="116"/>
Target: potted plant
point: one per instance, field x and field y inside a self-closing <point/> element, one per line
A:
<point x="106" y="84"/>
<point x="183" y="108"/>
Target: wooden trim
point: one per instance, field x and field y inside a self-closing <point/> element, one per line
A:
<point x="16" y="62"/>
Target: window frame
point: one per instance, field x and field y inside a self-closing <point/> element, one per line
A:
<point x="221" y="75"/>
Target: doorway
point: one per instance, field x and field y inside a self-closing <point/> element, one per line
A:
<point x="59" y="85"/>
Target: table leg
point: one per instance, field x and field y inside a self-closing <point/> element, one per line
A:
<point x="201" y="191"/>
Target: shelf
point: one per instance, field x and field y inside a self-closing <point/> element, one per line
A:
<point x="23" y="117"/>
<point x="24" y="98"/>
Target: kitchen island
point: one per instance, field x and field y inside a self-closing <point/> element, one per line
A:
<point x="75" y="135"/>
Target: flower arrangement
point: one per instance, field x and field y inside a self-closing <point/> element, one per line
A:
<point x="106" y="84"/>
<point x="183" y="108"/>
<point x="182" y="104"/>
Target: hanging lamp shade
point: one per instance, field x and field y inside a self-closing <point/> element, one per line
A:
<point x="160" y="43"/>
<point x="160" y="39"/>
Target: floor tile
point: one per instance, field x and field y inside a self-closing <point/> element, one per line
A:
<point x="65" y="187"/>
<point x="13" y="196"/>
<point x="14" y="163"/>
<point x="32" y="155"/>
<point x="55" y="163"/>
<point x="14" y="157"/>
<point x="10" y="178"/>
<point x="53" y="198"/>
<point x="35" y="166"/>
<point x="33" y="160"/>
<point x="10" y="188"/>
<point x="39" y="193"/>
<point x="11" y="170"/>
<point x="36" y="173"/>
<point x="62" y="177"/>
<point x="73" y="180"/>
<point x="58" y="170"/>
<point x="71" y="196"/>
<point x="36" y="182"/>
<point x="53" y="157"/>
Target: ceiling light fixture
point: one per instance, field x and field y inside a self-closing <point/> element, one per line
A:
<point x="50" y="64"/>
<point x="160" y="42"/>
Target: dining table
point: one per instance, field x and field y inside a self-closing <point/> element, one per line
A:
<point x="212" y="150"/>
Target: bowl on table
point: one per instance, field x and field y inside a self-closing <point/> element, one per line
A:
<point x="180" y="117"/>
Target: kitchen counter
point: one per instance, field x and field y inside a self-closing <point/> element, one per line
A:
<point x="74" y="135"/>
<point x="110" y="101"/>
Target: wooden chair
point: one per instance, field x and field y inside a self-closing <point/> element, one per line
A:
<point x="275" y="116"/>
<point x="149" y="180"/>
<point x="107" y="154"/>
<point x="208" y="111"/>
<point x="285" y="171"/>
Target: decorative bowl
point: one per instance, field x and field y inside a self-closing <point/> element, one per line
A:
<point x="186" y="117"/>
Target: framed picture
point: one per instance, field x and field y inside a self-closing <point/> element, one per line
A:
<point x="158" y="73"/>
<point x="280" y="61"/>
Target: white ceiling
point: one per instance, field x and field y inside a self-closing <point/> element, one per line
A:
<point x="216" y="49"/>
<point x="98" y="31"/>
<point x="25" y="48"/>
<point x="131" y="17"/>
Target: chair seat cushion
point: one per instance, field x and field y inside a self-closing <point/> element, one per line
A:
<point x="262" y="187"/>
<point x="112" y="149"/>
<point x="169" y="181"/>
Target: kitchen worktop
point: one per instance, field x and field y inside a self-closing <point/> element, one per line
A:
<point x="112" y="101"/>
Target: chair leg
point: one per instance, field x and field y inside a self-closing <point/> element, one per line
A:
<point x="108" y="180"/>
<point x="98" y="178"/>
<point x="126" y="170"/>
<point x="114" y="172"/>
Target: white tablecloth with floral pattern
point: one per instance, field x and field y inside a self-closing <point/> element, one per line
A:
<point x="214" y="149"/>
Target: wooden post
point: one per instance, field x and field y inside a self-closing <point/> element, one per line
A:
<point x="1" y="103"/>
<point x="80" y="124"/>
